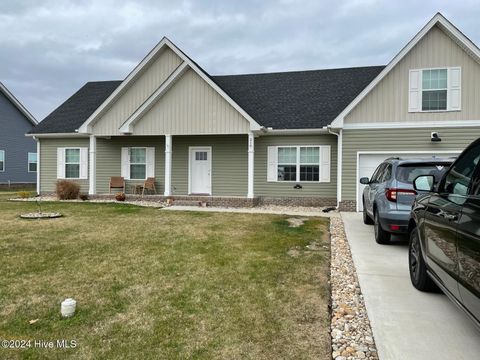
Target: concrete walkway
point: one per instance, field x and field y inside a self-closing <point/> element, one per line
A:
<point x="275" y="210"/>
<point x="406" y="323"/>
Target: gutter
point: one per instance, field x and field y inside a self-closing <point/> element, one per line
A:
<point x="339" y="136"/>
<point x="56" y="135"/>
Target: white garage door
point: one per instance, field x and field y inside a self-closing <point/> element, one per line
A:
<point x="367" y="163"/>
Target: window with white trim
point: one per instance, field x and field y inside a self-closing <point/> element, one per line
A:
<point x="436" y="89"/>
<point x="72" y="163"/>
<point x="32" y="162"/>
<point x="138" y="163"/>
<point x="298" y="163"/>
<point x="2" y="160"/>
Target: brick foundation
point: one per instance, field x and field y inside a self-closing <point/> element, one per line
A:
<point x="348" y="205"/>
<point x="298" y="201"/>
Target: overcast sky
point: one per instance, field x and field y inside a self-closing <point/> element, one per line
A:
<point x="49" y="49"/>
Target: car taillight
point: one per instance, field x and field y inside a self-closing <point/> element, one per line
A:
<point x="392" y="194"/>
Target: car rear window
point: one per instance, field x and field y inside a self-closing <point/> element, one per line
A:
<point x="409" y="172"/>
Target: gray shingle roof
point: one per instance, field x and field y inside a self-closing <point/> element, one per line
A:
<point x="77" y="108"/>
<point x="299" y="99"/>
<point x="288" y="100"/>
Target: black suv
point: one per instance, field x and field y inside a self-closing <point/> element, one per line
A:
<point x="444" y="248"/>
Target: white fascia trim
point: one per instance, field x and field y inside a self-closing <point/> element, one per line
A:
<point x="253" y="124"/>
<point x="437" y="19"/>
<point x="127" y="126"/>
<point x="86" y="127"/>
<point x="267" y="131"/>
<point x="18" y="104"/>
<point x="57" y="135"/>
<point x="413" y="125"/>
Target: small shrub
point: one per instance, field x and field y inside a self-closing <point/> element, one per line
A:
<point x="67" y="190"/>
<point x="24" y="194"/>
<point x="84" y="197"/>
<point x="120" y="196"/>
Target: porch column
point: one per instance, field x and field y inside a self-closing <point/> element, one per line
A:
<point x="92" y="168"/>
<point x="251" y="150"/>
<point x="168" y="165"/>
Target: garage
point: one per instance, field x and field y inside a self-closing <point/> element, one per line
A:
<point x="367" y="162"/>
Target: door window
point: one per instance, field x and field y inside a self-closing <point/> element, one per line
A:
<point x="459" y="177"/>
<point x="387" y="173"/>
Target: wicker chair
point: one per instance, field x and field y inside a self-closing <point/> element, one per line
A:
<point x="116" y="182"/>
<point x="149" y="185"/>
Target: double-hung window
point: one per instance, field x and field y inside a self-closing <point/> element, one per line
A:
<point x="72" y="163"/>
<point x="2" y="160"/>
<point x="434" y="89"/>
<point x="138" y="163"/>
<point x="287" y="164"/>
<point x="437" y="89"/>
<point x="32" y="162"/>
<point x="299" y="163"/>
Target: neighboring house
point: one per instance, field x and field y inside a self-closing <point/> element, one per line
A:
<point x="18" y="153"/>
<point x="291" y="138"/>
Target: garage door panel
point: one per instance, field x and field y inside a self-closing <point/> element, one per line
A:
<point x="367" y="163"/>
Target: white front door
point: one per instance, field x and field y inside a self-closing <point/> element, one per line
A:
<point x="200" y="170"/>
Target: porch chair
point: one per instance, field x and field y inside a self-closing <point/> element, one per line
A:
<point x="149" y="185"/>
<point x="116" y="182"/>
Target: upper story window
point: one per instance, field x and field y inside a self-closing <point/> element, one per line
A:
<point x="434" y="90"/>
<point x="32" y="162"/>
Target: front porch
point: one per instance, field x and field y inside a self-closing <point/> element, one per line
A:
<point x="203" y="166"/>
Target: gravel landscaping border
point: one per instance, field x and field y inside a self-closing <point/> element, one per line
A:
<point x="352" y="336"/>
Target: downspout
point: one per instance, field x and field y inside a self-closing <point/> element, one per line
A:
<point x="339" y="161"/>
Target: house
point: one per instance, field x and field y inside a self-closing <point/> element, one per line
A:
<point x="18" y="153"/>
<point x="301" y="137"/>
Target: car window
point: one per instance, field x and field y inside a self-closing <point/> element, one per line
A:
<point x="406" y="173"/>
<point x="387" y="173"/>
<point x="378" y="172"/>
<point x="459" y="177"/>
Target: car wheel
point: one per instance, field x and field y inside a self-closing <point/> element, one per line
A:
<point x="381" y="236"/>
<point x="366" y="219"/>
<point x="416" y="264"/>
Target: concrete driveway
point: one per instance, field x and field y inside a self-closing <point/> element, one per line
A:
<point x="406" y="323"/>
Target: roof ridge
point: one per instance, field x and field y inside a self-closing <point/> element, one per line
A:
<point x="302" y="71"/>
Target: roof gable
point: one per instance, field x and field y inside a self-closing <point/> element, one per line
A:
<point x="17" y="104"/>
<point x="438" y="20"/>
<point x="86" y="127"/>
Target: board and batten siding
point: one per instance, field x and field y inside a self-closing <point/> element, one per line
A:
<point x="279" y="189"/>
<point x="415" y="140"/>
<point x="191" y="107"/>
<point x="109" y="161"/>
<point x="229" y="163"/>
<point x="388" y="101"/>
<point x="142" y="87"/>
<point x="48" y="162"/>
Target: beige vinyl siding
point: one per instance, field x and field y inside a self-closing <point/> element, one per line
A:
<point x="141" y="88"/>
<point x="388" y="101"/>
<point x="229" y="163"/>
<point x="279" y="189"/>
<point x="109" y="160"/>
<point x="453" y="139"/>
<point x="48" y="162"/>
<point x="191" y="106"/>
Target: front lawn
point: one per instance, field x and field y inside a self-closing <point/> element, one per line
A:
<point x="155" y="284"/>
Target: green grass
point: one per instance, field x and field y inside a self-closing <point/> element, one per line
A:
<point x="155" y="284"/>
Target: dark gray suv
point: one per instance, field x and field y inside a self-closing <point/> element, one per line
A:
<point x="389" y="194"/>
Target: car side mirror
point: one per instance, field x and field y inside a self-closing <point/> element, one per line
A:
<point x="424" y="183"/>
<point x="364" y="181"/>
